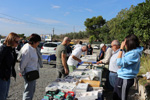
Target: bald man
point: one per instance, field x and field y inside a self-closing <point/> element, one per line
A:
<point x="74" y="58"/>
<point x="61" y="58"/>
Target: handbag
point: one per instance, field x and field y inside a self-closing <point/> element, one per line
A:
<point x="32" y="75"/>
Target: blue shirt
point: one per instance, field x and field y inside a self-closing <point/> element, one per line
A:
<point x="130" y="64"/>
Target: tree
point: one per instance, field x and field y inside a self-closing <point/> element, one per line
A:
<point x="22" y="36"/>
<point x="92" y="38"/>
<point x="94" y="25"/>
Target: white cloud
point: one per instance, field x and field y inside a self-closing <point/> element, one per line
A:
<point x="55" y="6"/>
<point x="90" y="10"/>
<point x="6" y="20"/>
<point x="66" y="13"/>
<point x="48" y="21"/>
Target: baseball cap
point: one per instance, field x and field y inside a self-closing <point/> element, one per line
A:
<point x="102" y="45"/>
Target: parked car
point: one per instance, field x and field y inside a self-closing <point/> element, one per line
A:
<point x="2" y="41"/>
<point x="49" y="47"/>
<point x="41" y="44"/>
<point x="96" y="47"/>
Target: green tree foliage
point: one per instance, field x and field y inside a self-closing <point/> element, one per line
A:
<point x="92" y="38"/>
<point x="94" y="24"/>
<point x="22" y="36"/>
<point x="73" y="35"/>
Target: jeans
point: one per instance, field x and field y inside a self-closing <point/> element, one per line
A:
<point x="29" y="89"/>
<point x="4" y="89"/>
<point x="113" y="79"/>
<point x="60" y="73"/>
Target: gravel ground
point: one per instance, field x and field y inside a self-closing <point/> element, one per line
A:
<point x="47" y="75"/>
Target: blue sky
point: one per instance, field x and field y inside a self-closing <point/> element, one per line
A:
<point x="41" y="16"/>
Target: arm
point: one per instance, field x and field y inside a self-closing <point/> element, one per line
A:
<point x="63" y="57"/>
<point x="24" y="60"/>
<point x="75" y="58"/>
<point x="129" y="59"/>
<point x="122" y="47"/>
<point x="107" y="57"/>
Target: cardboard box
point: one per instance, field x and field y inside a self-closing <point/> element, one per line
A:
<point x="91" y="83"/>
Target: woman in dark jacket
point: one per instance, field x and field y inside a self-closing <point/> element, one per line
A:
<point x="8" y="59"/>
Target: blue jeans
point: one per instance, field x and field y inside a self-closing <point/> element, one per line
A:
<point x="4" y="89"/>
<point x="29" y="89"/>
<point x="112" y="79"/>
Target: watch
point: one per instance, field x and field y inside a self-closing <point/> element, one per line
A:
<point x="121" y="49"/>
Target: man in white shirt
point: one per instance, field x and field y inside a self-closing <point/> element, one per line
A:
<point x="113" y="63"/>
<point x="74" y="58"/>
<point x="78" y="45"/>
<point x="108" y="54"/>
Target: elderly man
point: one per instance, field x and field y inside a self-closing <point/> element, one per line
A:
<point x="113" y="62"/>
<point x="74" y="58"/>
<point x="61" y="58"/>
<point x="108" y="53"/>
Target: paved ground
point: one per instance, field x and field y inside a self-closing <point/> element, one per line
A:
<point x="47" y="75"/>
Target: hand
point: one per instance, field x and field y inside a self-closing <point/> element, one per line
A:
<point x="123" y="44"/>
<point x="100" y="62"/>
<point x="20" y="74"/>
<point x="66" y="71"/>
<point x="97" y="62"/>
<point x="80" y="61"/>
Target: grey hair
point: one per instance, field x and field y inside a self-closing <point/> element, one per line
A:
<point x="66" y="39"/>
<point x="116" y="42"/>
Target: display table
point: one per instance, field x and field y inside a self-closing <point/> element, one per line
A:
<point x="84" y="82"/>
<point x="49" y="57"/>
<point x="89" y="59"/>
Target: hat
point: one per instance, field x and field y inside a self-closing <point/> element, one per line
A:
<point x="102" y="45"/>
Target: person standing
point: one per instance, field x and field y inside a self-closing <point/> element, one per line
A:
<point x="8" y="58"/>
<point x="130" y="65"/>
<point x="69" y="51"/>
<point x="78" y="45"/>
<point x="115" y="45"/>
<point x="61" y="58"/>
<point x="89" y="50"/>
<point x="29" y="62"/>
<point x="74" y="58"/>
<point x="108" y="54"/>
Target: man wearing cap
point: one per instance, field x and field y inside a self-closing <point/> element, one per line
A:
<point x="108" y="54"/>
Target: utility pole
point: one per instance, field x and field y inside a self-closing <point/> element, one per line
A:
<point x="53" y="31"/>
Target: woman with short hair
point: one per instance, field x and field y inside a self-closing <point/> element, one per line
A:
<point x="130" y="65"/>
<point x="29" y="63"/>
<point x="8" y="58"/>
